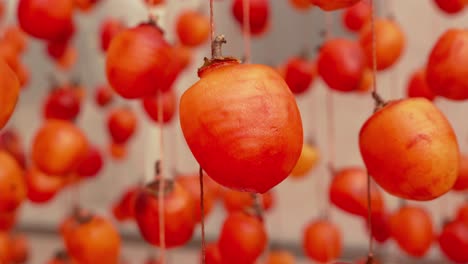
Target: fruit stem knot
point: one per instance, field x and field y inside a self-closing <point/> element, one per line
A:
<point x="216" y="47"/>
<point x="379" y="102"/>
<point x="370" y="259"/>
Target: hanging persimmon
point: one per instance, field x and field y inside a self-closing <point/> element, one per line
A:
<point x="62" y="103"/>
<point x="341" y="64"/>
<point x="9" y="92"/>
<point x="365" y="85"/>
<point x="121" y="124"/>
<point x="450" y="6"/>
<point x="193" y="28"/>
<point x="182" y="55"/>
<point x="103" y="96"/>
<point x="191" y="183"/>
<point x="306" y="162"/>
<point x="41" y="187"/>
<point x="301" y="4"/>
<point x="447" y="67"/>
<point x="94" y="240"/>
<point x="118" y="151"/>
<point x="20" y="249"/>
<point x="418" y="86"/>
<point x="222" y="130"/>
<point x="169" y="105"/>
<point x="212" y="254"/>
<point x="330" y="5"/>
<point x="356" y="16"/>
<point x="109" y="29"/>
<point x="400" y="144"/>
<point x="154" y="2"/>
<point x="234" y="201"/>
<point x="12" y="186"/>
<point x="91" y="164"/>
<point x="178" y="214"/>
<point x="139" y="62"/>
<point x="85" y="5"/>
<point x="11" y="142"/>
<point x="299" y="74"/>
<point x="14" y="35"/>
<point x="380" y="226"/>
<point x="461" y="184"/>
<point x="453" y="241"/>
<point x="5" y="247"/>
<point x="58" y="147"/>
<point x="348" y="191"/>
<point x="124" y="208"/>
<point x="55" y="16"/>
<point x="389" y="43"/>
<point x="242" y="239"/>
<point x="412" y="229"/>
<point x="462" y="213"/>
<point x="23" y="74"/>
<point x="8" y="220"/>
<point x="280" y="257"/>
<point x="2" y="10"/>
<point x="322" y="241"/>
<point x="259" y="15"/>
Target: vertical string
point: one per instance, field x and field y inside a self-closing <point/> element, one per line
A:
<point x="202" y="210"/>
<point x="212" y="26"/>
<point x="246" y="31"/>
<point x="330" y="109"/>
<point x="162" y="224"/>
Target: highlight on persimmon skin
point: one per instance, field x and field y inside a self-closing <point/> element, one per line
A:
<point x="331" y="5"/>
<point x="322" y="241"/>
<point x="400" y="144"/>
<point x="9" y="92"/>
<point x="418" y="87"/>
<point x="447" y="66"/>
<point x="412" y="229"/>
<point x="222" y="130"/>
<point x="390" y="43"/>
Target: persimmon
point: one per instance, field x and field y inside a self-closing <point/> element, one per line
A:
<point x="104" y="95"/>
<point x="85" y="5"/>
<point x="124" y="208"/>
<point x="139" y="62"/>
<point x="9" y="92"/>
<point x="14" y="35"/>
<point x="178" y="213"/>
<point x="453" y="241"/>
<point x="5" y="247"/>
<point x="109" y="29"/>
<point x="61" y="257"/>
<point x="222" y="130"/>
<point x="412" y="229"/>
<point x="121" y="124"/>
<point x="182" y="55"/>
<point x="348" y="191"/>
<point x="68" y="59"/>
<point x="9" y="54"/>
<point x="12" y="186"/>
<point x="94" y="240"/>
<point x="191" y="184"/>
<point x="238" y="201"/>
<point x="91" y="164"/>
<point x="56" y="18"/>
<point x="356" y="16"/>
<point x="380" y="226"/>
<point x="330" y="5"/>
<point x="322" y="241"/>
<point x="461" y="184"/>
<point x="445" y="71"/>
<point x="341" y="64"/>
<point x="212" y="254"/>
<point x="462" y="213"/>
<point x="41" y="187"/>
<point x="259" y="14"/>
<point x="418" y="86"/>
<point x="450" y="6"/>
<point x="2" y="10"/>
<point x="19" y="248"/>
<point x="193" y="28"/>
<point x="301" y="4"/>
<point x="11" y="142"/>
<point x="62" y="103"/>
<point x="58" y="147"/>
<point x="118" y="151"/>
<point x="307" y="161"/>
<point x="367" y="80"/>
<point x="389" y="43"/>
<point x="8" y="220"/>
<point x="280" y="257"/>
<point x="299" y="74"/>
<point x="242" y="238"/>
<point x="169" y="105"/>
<point x="400" y="143"/>
<point x="154" y="2"/>
<point x="23" y="74"/>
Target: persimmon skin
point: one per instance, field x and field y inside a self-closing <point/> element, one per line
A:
<point x="58" y="147"/>
<point x="301" y="5"/>
<point x="306" y="162"/>
<point x="356" y="16"/>
<point x="239" y="201"/>
<point x="418" y="87"/>
<point x="12" y="186"/>
<point x="450" y="7"/>
<point x="193" y="28"/>
<point x="322" y="241"/>
<point x="348" y="191"/>
<point x="280" y="257"/>
<point x="62" y="103"/>
<point x="8" y="220"/>
<point x="42" y="188"/>
<point x="341" y="64"/>
<point x="169" y="106"/>
<point x="413" y="230"/>
<point x="400" y="145"/>
<point x="213" y="256"/>
<point x="462" y="180"/>
<point x="121" y="124"/>
<point x="192" y="185"/>
<point x="223" y="131"/>
<point x="453" y="241"/>
<point x="55" y="16"/>
<point x="242" y="239"/>
<point x="300" y="74"/>
<point x="15" y="36"/>
<point x="330" y="5"/>
<point x="91" y="164"/>
<point x="109" y="29"/>
<point x="390" y="43"/>
<point x="259" y="15"/>
<point x="9" y="92"/>
<point x="447" y="67"/>
<point x="178" y="213"/>
<point x="139" y="62"/>
<point x="104" y="95"/>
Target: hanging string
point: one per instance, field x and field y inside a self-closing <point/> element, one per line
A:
<point x="202" y="210"/>
<point x="162" y="233"/>
<point x="246" y="31"/>
<point x="330" y="108"/>
<point x="213" y="31"/>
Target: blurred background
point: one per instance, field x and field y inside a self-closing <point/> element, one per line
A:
<point x="296" y="202"/>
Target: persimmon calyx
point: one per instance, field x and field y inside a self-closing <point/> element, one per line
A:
<point x="153" y="187"/>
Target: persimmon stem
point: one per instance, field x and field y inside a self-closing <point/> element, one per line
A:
<point x="216" y="47"/>
<point x="202" y="214"/>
